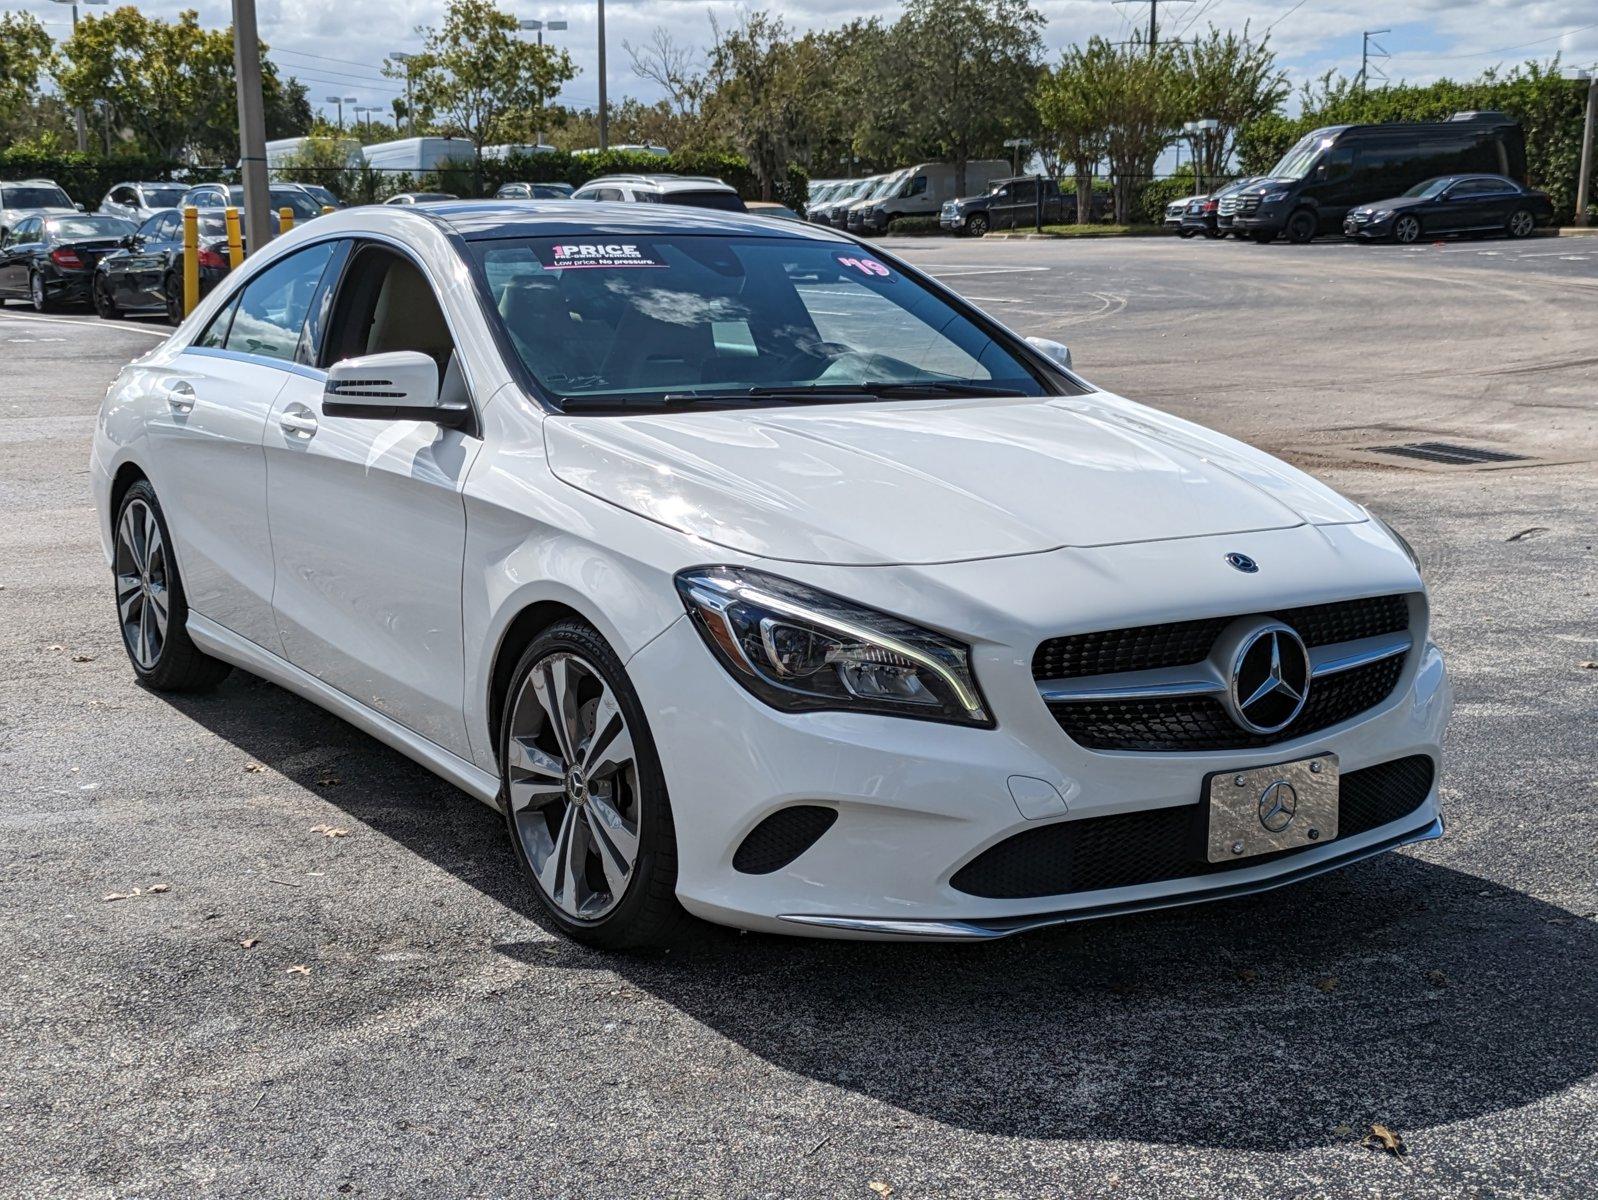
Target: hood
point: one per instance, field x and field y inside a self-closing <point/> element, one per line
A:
<point x="933" y="481"/>
<point x="1396" y="202"/>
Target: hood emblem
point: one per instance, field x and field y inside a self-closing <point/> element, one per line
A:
<point x="1242" y="562"/>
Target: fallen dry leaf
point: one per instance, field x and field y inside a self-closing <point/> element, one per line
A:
<point x="298" y="969"/>
<point x="330" y="831"/>
<point x="1436" y="979"/>
<point x="1382" y="1138"/>
<point x="83" y="658"/>
<point x="329" y="781"/>
<point x="116" y="896"/>
<point x="1327" y="984"/>
<point x="160" y="887"/>
<point x="57" y="647"/>
<point x="882" y="1189"/>
<point x="254" y="768"/>
<point x="247" y="943"/>
<point x="1588" y="666"/>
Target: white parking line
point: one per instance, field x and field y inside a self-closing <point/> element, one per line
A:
<point x="82" y="322"/>
<point x="945" y="273"/>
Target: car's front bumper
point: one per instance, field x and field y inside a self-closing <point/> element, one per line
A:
<point x="1369" y="231"/>
<point x="917" y="801"/>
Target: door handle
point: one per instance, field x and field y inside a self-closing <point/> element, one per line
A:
<point x="180" y="396"/>
<point x="298" y="422"/>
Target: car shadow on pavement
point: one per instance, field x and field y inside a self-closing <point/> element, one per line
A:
<point x="1395" y="991"/>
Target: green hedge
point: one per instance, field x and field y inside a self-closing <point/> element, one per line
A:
<point x="87" y="178"/>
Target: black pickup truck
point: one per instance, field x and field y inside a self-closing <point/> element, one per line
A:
<point x="1013" y="204"/>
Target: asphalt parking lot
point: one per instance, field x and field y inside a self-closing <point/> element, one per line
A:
<point x="332" y="982"/>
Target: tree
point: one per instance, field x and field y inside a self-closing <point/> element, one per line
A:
<point x="1075" y="116"/>
<point x="1232" y="80"/>
<point x="477" y="78"/>
<point x="966" y="73"/>
<point x="170" y="83"/>
<point x="759" y="80"/>
<point x="25" y="55"/>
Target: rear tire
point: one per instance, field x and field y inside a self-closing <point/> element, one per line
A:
<point x="1301" y="227"/>
<point x="1521" y="223"/>
<point x="152" y="611"/>
<point x="38" y="294"/>
<point x="585" y="799"/>
<point x="103" y="304"/>
<point x="172" y="290"/>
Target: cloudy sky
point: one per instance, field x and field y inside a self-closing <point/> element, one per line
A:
<point x="337" y="48"/>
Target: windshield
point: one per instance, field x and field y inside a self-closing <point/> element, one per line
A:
<point x="888" y="186"/>
<point x="34" y="197"/>
<point x="727" y="320"/>
<point x="1428" y="188"/>
<point x="88" y="227"/>
<point x="1296" y="163"/>
<point x="162" y="195"/>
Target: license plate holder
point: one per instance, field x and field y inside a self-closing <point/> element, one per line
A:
<point x="1265" y="809"/>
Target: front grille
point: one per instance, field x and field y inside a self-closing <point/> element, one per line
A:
<point x="782" y="837"/>
<point x="1201" y="723"/>
<point x="1179" y="643"/>
<point x="1156" y="845"/>
<point x="1228" y="206"/>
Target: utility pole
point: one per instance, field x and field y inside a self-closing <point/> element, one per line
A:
<point x="604" y="115"/>
<point x="1154" y="18"/>
<point x="78" y="113"/>
<point x="252" y="125"/>
<point x="400" y="56"/>
<point x="1365" y="55"/>
<point x="1584" y="181"/>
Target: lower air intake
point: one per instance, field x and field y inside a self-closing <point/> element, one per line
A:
<point x="782" y="837"/>
<point x="1154" y="845"/>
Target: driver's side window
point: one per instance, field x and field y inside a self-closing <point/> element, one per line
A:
<point x="385" y="303"/>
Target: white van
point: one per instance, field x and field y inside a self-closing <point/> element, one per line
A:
<point x="924" y="190"/>
<point x="420" y="154"/>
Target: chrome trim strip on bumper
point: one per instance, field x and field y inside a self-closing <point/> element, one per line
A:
<point x="1206" y="678"/>
<point x="987" y="929"/>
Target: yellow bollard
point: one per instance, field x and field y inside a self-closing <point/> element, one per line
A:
<point x="191" y="258"/>
<point x="235" y="243"/>
<point x="285" y="219"/>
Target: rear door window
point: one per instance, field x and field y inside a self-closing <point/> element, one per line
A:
<point x="272" y="311"/>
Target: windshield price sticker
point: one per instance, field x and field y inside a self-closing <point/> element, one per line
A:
<point x="866" y="266"/>
<point x="579" y="255"/>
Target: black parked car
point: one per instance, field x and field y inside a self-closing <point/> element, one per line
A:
<point x="50" y="260"/>
<point x="1452" y="204"/>
<point x="146" y="273"/>
<point x="1013" y="204"/>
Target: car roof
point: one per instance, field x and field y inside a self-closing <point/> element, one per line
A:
<point x="665" y="182"/>
<point x="481" y="219"/>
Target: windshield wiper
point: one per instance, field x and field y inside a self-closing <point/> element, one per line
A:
<point x="932" y="388"/>
<point x="790" y="393"/>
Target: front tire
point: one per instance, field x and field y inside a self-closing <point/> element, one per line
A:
<point x="976" y="224"/>
<point x="1406" y="230"/>
<point x="1302" y="227"/>
<point x="152" y="611"/>
<point x="584" y="796"/>
<point x="1521" y="223"/>
<point x="104" y="305"/>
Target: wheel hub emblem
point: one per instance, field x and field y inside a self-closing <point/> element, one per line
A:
<point x="576" y="786"/>
<point x="1278" y="806"/>
<point x="1270" y="679"/>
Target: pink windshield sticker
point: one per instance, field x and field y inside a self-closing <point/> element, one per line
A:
<point x="576" y="255"/>
<point x="866" y="266"/>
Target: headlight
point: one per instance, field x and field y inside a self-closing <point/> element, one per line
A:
<point x="1273" y="197"/>
<point x="801" y="650"/>
<point x="1403" y="542"/>
<point x="1380" y="214"/>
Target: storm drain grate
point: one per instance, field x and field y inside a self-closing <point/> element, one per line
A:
<point x="1448" y="453"/>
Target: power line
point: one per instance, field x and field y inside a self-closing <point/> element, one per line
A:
<point x="348" y="62"/>
<point x="1154" y="16"/>
<point x="1285" y="15"/>
<point x="1502" y="49"/>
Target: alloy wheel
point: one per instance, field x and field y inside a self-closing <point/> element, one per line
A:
<point x="976" y="225"/>
<point x="141" y="580"/>
<point x="37" y="293"/>
<point x="1521" y="223"/>
<point x="573" y="786"/>
<point x="1406" y="230"/>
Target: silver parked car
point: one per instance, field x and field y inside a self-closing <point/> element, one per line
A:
<point x="138" y="202"/>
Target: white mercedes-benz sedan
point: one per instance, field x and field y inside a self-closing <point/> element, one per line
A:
<point x="754" y="575"/>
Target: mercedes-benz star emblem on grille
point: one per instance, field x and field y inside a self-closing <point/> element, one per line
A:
<point x="1270" y="679"/>
<point x="1278" y="806"/>
<point x="1242" y="562"/>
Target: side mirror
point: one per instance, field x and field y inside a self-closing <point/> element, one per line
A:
<point x="1056" y="352"/>
<point x="80" y="208"/>
<point x="402" y="385"/>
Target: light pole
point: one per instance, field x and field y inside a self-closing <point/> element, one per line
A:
<point x="538" y="27"/>
<point x="1014" y="146"/>
<point x="1584" y="180"/>
<point x="400" y="56"/>
<point x="604" y="114"/>
<point x="1199" y="132"/>
<point x="83" y="125"/>
<point x="341" y="101"/>
<point x="252" y="125"/>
